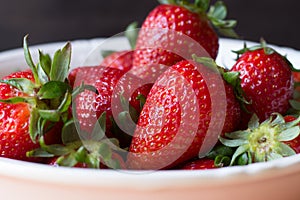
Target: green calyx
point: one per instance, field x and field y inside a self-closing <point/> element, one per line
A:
<point x="50" y="95"/>
<point x="216" y="14"/>
<point x="88" y="149"/>
<point x="262" y="142"/>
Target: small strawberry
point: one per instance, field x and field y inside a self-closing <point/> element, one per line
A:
<point x="174" y="125"/>
<point x="266" y="80"/>
<point x="274" y="138"/>
<point x="121" y="60"/>
<point x="200" y="164"/>
<point x="176" y="29"/>
<point x="34" y="103"/>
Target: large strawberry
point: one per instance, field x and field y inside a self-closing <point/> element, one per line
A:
<point x="176" y="29"/>
<point x="185" y="111"/>
<point x="266" y="80"/>
<point x="34" y="103"/>
<point x="274" y="138"/>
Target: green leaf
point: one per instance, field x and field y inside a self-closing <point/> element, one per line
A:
<point x="104" y="151"/>
<point x="286" y="150"/>
<point x="45" y="62"/>
<point x="65" y="103"/>
<point x="253" y="122"/>
<point x="33" y="128"/>
<point x="202" y="4"/>
<point x="233" y="143"/>
<point x="52" y="90"/>
<point x="142" y="100"/>
<point x="39" y="153"/>
<point x="238" y="135"/>
<point x="289" y="134"/>
<point x="131" y="34"/>
<point x="218" y="10"/>
<point x="273" y="156"/>
<point x="29" y="61"/>
<point x="51" y="115"/>
<point x="242" y="159"/>
<point x="206" y="61"/>
<point x="43" y="77"/>
<point x="69" y="133"/>
<point x="23" y="84"/>
<point x="61" y="64"/>
<point x="239" y="151"/>
<point x="14" y="100"/>
<point x="295" y="104"/>
<point x="99" y="128"/>
<point x="220" y="150"/>
<point x="222" y="161"/>
<point x="67" y="160"/>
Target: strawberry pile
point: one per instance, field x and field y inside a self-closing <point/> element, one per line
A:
<point x="164" y="104"/>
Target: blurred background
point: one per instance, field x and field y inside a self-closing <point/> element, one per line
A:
<point x="60" y="20"/>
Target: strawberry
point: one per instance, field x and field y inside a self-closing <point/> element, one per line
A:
<point x="176" y="29"/>
<point x="113" y="86"/>
<point x="34" y="103"/>
<point x="121" y="60"/>
<point x="174" y="125"/>
<point x="90" y="105"/>
<point x="274" y="138"/>
<point x="200" y="164"/>
<point x="266" y="80"/>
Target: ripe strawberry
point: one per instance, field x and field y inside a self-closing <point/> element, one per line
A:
<point x="200" y="164"/>
<point x="266" y="80"/>
<point x="274" y="138"/>
<point x="175" y="124"/>
<point x="89" y="105"/>
<point x="34" y="103"/>
<point x="176" y="29"/>
<point x="121" y="60"/>
<point x="115" y="89"/>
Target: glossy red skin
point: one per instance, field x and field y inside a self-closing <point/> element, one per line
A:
<point x="200" y="164"/>
<point x="108" y="82"/>
<point x="178" y="19"/>
<point x="150" y="140"/>
<point x="121" y="60"/>
<point x="14" y="122"/>
<point x="295" y="143"/>
<point x="89" y="105"/>
<point x="267" y="82"/>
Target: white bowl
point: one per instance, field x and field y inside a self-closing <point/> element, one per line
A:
<point x="277" y="179"/>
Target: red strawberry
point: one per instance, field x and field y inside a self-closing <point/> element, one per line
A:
<point x="173" y="31"/>
<point x="176" y="122"/>
<point x="34" y="103"/>
<point x="121" y="60"/>
<point x="113" y="87"/>
<point x="274" y="138"/>
<point x="89" y="105"/>
<point x="202" y="164"/>
<point x="266" y="80"/>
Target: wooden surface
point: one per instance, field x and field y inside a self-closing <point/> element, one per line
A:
<point x="57" y="20"/>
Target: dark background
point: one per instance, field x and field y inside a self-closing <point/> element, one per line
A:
<point x="60" y="20"/>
